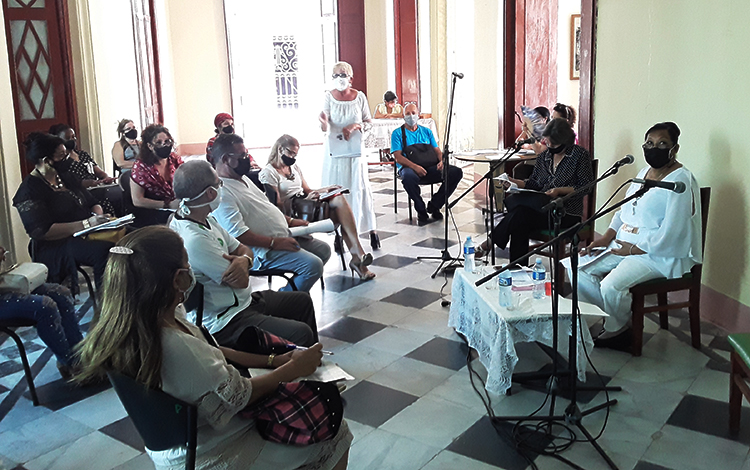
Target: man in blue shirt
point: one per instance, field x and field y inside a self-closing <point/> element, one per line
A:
<point x="413" y="174"/>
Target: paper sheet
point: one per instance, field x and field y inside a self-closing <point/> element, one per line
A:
<point x="112" y="224"/>
<point x="327" y="372"/>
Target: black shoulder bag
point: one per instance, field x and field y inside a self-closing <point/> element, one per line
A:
<point x="423" y="155"/>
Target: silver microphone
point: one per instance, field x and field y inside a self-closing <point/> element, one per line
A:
<point x="676" y="186"/>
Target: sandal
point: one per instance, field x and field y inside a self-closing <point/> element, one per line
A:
<point x="361" y="270"/>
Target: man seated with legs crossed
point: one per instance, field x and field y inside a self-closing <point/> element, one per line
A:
<point x="421" y="162"/>
<point x="247" y="214"/>
<point x="221" y="263"/>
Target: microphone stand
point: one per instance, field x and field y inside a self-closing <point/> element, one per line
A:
<point x="572" y="414"/>
<point x="445" y="256"/>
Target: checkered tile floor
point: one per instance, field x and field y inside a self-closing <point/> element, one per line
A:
<point x="412" y="405"/>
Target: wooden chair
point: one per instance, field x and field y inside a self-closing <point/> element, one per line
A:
<point x="661" y="287"/>
<point x="387" y="159"/>
<point x="738" y="385"/>
<point x="586" y="234"/>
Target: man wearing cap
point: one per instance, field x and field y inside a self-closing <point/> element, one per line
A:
<point x="389" y="108"/>
<point x="224" y="124"/>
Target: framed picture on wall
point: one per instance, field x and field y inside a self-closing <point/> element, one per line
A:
<point x="575" y="47"/>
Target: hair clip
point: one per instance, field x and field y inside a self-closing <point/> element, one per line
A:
<point x="120" y="250"/>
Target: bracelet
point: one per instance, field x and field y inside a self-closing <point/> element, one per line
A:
<point x="249" y="259"/>
<point x="86" y="223"/>
<point x="270" y="360"/>
<point x="270" y="247"/>
<point x="630" y="252"/>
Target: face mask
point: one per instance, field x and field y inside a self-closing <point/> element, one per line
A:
<point x="213" y="205"/>
<point x="288" y="161"/>
<point x="62" y="166"/>
<point x="556" y="150"/>
<point x="70" y="144"/>
<point x="341" y="83"/>
<point x="131" y="134"/>
<point x="656" y="157"/>
<point x="163" y="152"/>
<point x="411" y="119"/>
<point x="186" y="293"/>
<point x="228" y="130"/>
<point x="243" y="166"/>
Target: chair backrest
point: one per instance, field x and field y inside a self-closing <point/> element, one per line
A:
<point x="162" y="420"/>
<point x="589" y="200"/>
<point x="705" y="200"/>
<point x="195" y="302"/>
<point x="271" y="193"/>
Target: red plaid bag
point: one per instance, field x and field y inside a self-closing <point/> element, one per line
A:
<point x="298" y="413"/>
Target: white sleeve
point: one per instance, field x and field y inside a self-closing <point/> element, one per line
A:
<point x="229" y="216"/>
<point x="268" y="175"/>
<point x="327" y="104"/>
<point x="616" y="221"/>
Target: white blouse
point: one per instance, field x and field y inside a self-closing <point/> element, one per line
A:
<point x="341" y="114"/>
<point x="664" y="224"/>
<point x="288" y="188"/>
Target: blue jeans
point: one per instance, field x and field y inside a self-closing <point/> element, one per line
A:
<point x="411" y="182"/>
<point x="51" y="306"/>
<point x="307" y="263"/>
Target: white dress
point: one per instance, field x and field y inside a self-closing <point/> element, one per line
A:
<point x="196" y="372"/>
<point x="342" y="162"/>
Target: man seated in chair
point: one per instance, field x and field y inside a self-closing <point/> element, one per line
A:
<point x="420" y="162"/>
<point x="247" y="214"/>
<point x="221" y="263"/>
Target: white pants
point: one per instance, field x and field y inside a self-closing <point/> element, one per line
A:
<point x="607" y="281"/>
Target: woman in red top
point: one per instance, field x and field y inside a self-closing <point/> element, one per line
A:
<point x="151" y="180"/>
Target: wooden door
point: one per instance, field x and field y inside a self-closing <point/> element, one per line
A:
<point x="38" y="40"/>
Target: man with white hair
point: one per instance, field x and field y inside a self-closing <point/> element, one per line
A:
<point x="221" y="263"/>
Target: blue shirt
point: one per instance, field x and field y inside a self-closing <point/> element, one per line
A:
<point x="422" y="135"/>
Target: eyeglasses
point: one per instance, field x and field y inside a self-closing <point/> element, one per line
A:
<point x="238" y="157"/>
<point x="340" y="75"/>
<point x="166" y="143"/>
<point x="289" y="153"/>
<point x="661" y="145"/>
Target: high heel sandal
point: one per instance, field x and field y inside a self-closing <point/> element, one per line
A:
<point x="366" y="259"/>
<point x="374" y="240"/>
<point x="361" y="270"/>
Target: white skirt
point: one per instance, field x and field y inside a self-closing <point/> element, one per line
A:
<point x="351" y="172"/>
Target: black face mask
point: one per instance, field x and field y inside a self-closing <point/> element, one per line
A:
<point x="288" y="161"/>
<point x="243" y="166"/>
<point x="656" y="157"/>
<point x="62" y="166"/>
<point x="70" y="144"/>
<point x="556" y="150"/>
<point x="131" y="134"/>
<point x="228" y="130"/>
<point x="163" y="152"/>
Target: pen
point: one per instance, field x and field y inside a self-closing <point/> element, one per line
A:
<point x="302" y="348"/>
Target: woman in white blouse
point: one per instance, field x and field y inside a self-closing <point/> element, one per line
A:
<point x="656" y="235"/>
<point x="345" y="117"/>
<point x="284" y="176"/>
<point x="142" y="333"/>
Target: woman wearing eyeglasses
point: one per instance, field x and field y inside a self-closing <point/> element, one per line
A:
<point x="345" y="116"/>
<point x="284" y="177"/>
<point x="151" y="181"/>
<point x="655" y="235"/>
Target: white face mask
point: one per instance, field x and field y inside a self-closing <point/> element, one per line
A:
<point x="411" y="119"/>
<point x="213" y="205"/>
<point x="341" y="83"/>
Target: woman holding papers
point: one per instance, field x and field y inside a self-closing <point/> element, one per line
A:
<point x="345" y="117"/>
<point x="283" y="176"/>
<point x="656" y="235"/>
<point x="561" y="169"/>
<point x="142" y="333"/>
<point x="53" y="206"/>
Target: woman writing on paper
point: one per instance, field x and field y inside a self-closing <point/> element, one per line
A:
<point x="655" y="235"/>
<point x="345" y="116"/>
<point x="284" y="177"/>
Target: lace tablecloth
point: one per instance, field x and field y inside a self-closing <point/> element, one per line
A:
<point x="379" y="134"/>
<point x="493" y="330"/>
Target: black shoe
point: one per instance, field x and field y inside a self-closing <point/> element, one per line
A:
<point x="422" y="217"/>
<point x="435" y="212"/>
<point x="622" y="342"/>
<point x="374" y="241"/>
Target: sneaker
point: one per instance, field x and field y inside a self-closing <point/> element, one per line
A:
<point x="435" y="212"/>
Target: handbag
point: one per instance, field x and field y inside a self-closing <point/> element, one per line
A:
<point x="23" y="279"/>
<point x="311" y="210"/>
<point x="423" y="155"/>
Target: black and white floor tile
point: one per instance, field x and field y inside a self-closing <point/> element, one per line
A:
<point x="412" y="405"/>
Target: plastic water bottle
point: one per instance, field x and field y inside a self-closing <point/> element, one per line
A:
<point x="469" y="264"/>
<point x="539" y="275"/>
<point x="505" y="282"/>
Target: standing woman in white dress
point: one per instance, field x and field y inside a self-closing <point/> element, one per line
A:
<point x="656" y="235"/>
<point x="345" y="115"/>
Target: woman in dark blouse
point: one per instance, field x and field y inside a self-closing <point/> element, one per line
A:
<point x="53" y="206"/>
<point x="561" y="169"/>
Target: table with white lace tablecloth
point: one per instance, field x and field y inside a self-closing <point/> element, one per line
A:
<point x="378" y="136"/>
<point x="493" y="330"/>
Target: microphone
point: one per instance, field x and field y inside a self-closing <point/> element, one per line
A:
<point x="458" y="75"/>
<point x="625" y="161"/>
<point x="677" y="186"/>
<point x="530" y="140"/>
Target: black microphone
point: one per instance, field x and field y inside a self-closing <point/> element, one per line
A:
<point x="458" y="75"/>
<point x="677" y="186"/>
<point x="530" y="140"/>
<point x="625" y="161"/>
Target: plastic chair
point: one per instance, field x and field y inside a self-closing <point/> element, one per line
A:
<point x="661" y="287"/>
<point x="162" y="420"/>
<point x="738" y="386"/>
<point x="6" y="326"/>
